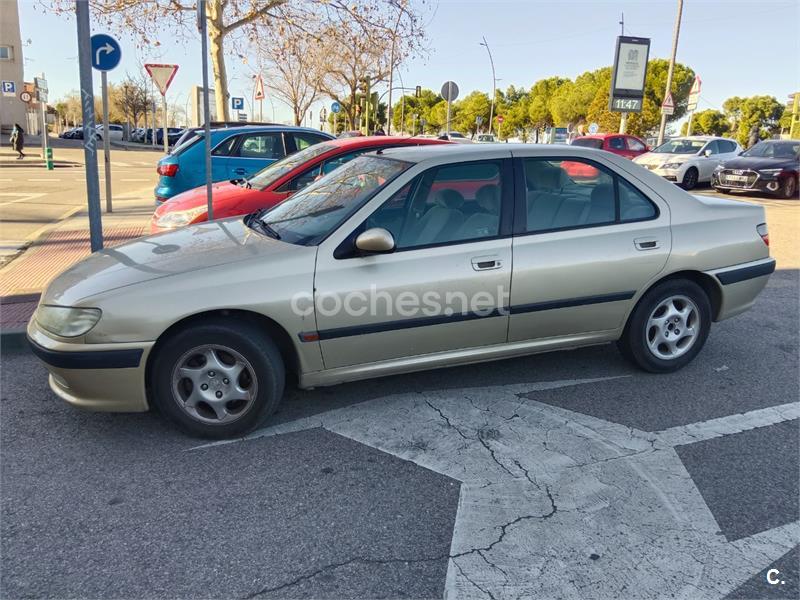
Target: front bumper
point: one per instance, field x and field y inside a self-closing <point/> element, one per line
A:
<point x="668" y="174"/>
<point x="757" y="182"/>
<point x="101" y="377"/>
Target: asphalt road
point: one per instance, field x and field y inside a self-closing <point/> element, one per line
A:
<point x="32" y="199"/>
<point x="565" y="475"/>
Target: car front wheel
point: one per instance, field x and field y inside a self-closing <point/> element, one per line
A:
<point x="690" y="179"/>
<point x="789" y="188"/>
<point x="668" y="327"/>
<point x="219" y="379"/>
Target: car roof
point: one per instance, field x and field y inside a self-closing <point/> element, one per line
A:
<point x="251" y="128"/>
<point x="602" y="136"/>
<point x="380" y="140"/>
<point x="466" y="152"/>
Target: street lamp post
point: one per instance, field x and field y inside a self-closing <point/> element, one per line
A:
<point x="675" y="33"/>
<point x="494" y="83"/>
<point x="400" y="10"/>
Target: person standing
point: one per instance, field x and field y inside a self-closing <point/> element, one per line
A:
<point x="18" y="140"/>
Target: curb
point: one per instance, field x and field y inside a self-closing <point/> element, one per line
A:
<point x="14" y="341"/>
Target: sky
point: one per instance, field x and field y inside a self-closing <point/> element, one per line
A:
<point x="739" y="48"/>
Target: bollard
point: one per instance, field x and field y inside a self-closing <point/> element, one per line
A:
<point x="48" y="157"/>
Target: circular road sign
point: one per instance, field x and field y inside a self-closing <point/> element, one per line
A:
<point x="594" y="128"/>
<point x="106" y="52"/>
<point x="449" y="91"/>
<point x="500" y="118"/>
<point x="25" y="97"/>
<point x="335" y="107"/>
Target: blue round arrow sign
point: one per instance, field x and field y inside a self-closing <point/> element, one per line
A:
<point x="336" y="107"/>
<point x="106" y="52"/>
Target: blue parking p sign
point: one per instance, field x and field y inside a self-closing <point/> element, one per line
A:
<point x="237" y="103"/>
<point x="9" y="88"/>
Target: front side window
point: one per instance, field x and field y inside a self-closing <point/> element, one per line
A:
<point x="454" y="203"/>
<point x="314" y="212"/>
<point x="574" y="193"/>
<point x="712" y="148"/>
<point x="262" y="145"/>
<point x="635" y="145"/>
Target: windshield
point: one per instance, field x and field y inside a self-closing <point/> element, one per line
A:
<point x="774" y="150"/>
<point x="270" y="174"/>
<point x="680" y="147"/>
<point x="588" y="142"/>
<point x="314" y="212"/>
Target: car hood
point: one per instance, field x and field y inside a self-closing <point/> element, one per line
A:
<point x="757" y="162"/>
<point x="222" y="193"/>
<point x="180" y="251"/>
<point x="659" y="158"/>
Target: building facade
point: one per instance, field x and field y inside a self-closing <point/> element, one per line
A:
<point x="12" y="67"/>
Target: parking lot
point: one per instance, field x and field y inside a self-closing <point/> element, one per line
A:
<point x="563" y="475"/>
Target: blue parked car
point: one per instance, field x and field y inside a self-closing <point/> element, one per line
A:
<point x="236" y="153"/>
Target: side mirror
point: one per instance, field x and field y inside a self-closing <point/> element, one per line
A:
<point x="707" y="152"/>
<point x="376" y="240"/>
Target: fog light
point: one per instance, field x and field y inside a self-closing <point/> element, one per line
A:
<point x="772" y="186"/>
<point x="60" y="381"/>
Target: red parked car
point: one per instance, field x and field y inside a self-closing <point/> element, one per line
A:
<point x="273" y="184"/>
<point x="625" y="145"/>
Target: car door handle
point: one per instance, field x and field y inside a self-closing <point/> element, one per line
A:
<point x="486" y="263"/>
<point x="646" y="243"/>
<point x="239" y="171"/>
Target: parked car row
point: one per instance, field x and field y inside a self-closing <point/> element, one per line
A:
<point x="115" y="132"/>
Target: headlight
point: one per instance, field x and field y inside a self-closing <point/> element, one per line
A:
<point x="718" y="168"/>
<point x="67" y="321"/>
<point x="769" y="171"/>
<point x="672" y="165"/>
<point x="179" y="218"/>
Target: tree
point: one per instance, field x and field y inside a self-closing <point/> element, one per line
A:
<point x="708" y="122"/>
<point x="476" y="104"/>
<point x="224" y="19"/>
<point x="132" y="98"/>
<point x="414" y="106"/>
<point x="540" y="96"/>
<point x="763" y="112"/>
<point x="358" y="41"/>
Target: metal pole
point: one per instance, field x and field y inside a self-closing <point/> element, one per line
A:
<point x="89" y="131"/>
<point x="450" y="93"/>
<point x="675" y="33"/>
<point x="689" y="124"/>
<point x="166" y="140"/>
<point x="44" y="131"/>
<point x="391" y="69"/>
<point x="106" y="140"/>
<point x="623" y="122"/>
<point x="206" y="107"/>
<point x="494" y="85"/>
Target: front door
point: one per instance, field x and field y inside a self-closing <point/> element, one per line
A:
<point x="443" y="288"/>
<point x="582" y="250"/>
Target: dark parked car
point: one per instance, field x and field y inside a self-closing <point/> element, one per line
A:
<point x="770" y="167"/>
<point x="173" y="135"/>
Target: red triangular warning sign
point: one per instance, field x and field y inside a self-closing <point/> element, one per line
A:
<point x="259" y="88"/>
<point x="668" y="102"/>
<point x="162" y="75"/>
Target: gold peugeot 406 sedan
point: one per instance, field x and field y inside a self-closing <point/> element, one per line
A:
<point x="403" y="260"/>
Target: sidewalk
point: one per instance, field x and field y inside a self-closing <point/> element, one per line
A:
<point x="24" y="278"/>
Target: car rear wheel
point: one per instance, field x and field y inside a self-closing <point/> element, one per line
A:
<point x="789" y="188"/>
<point x="217" y="380"/>
<point x="668" y="327"/>
<point x="690" y="179"/>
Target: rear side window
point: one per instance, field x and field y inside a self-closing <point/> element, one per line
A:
<point x="226" y="147"/>
<point x="616" y="143"/>
<point x="575" y="193"/>
<point x="588" y="143"/>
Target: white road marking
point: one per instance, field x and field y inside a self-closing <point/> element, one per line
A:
<point x="556" y="503"/>
<point x="22" y="197"/>
<point x="40" y="180"/>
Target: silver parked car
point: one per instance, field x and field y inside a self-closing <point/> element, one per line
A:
<point x="401" y="260"/>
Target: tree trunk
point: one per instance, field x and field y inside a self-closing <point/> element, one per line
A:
<point x="216" y="36"/>
<point x="297" y="117"/>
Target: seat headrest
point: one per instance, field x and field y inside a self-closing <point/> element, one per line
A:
<point x="449" y="198"/>
<point x="488" y="198"/>
<point x="603" y="193"/>
<point x="540" y="175"/>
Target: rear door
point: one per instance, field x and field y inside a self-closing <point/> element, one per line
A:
<point x="582" y="248"/>
<point x="255" y="151"/>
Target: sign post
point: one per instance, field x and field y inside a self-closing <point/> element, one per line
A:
<point x="335" y="108"/>
<point x="449" y="93"/>
<point x="628" y="76"/>
<point x="260" y="95"/>
<point x="668" y="106"/>
<point x="89" y="130"/>
<point x="162" y="76"/>
<point x="106" y="54"/>
<point x="694" y="96"/>
<point x="41" y="95"/>
<point x="202" y="26"/>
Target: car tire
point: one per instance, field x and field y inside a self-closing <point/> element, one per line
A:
<point x="789" y="188"/>
<point x="654" y="340"/>
<point x="690" y="178"/>
<point x="240" y="371"/>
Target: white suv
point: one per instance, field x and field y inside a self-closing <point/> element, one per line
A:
<point x="689" y="160"/>
<point x="114" y="132"/>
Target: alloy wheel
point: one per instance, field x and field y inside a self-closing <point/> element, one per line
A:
<point x="214" y="384"/>
<point x="673" y="327"/>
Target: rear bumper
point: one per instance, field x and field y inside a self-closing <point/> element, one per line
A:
<point x="101" y="377"/>
<point x="741" y="284"/>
